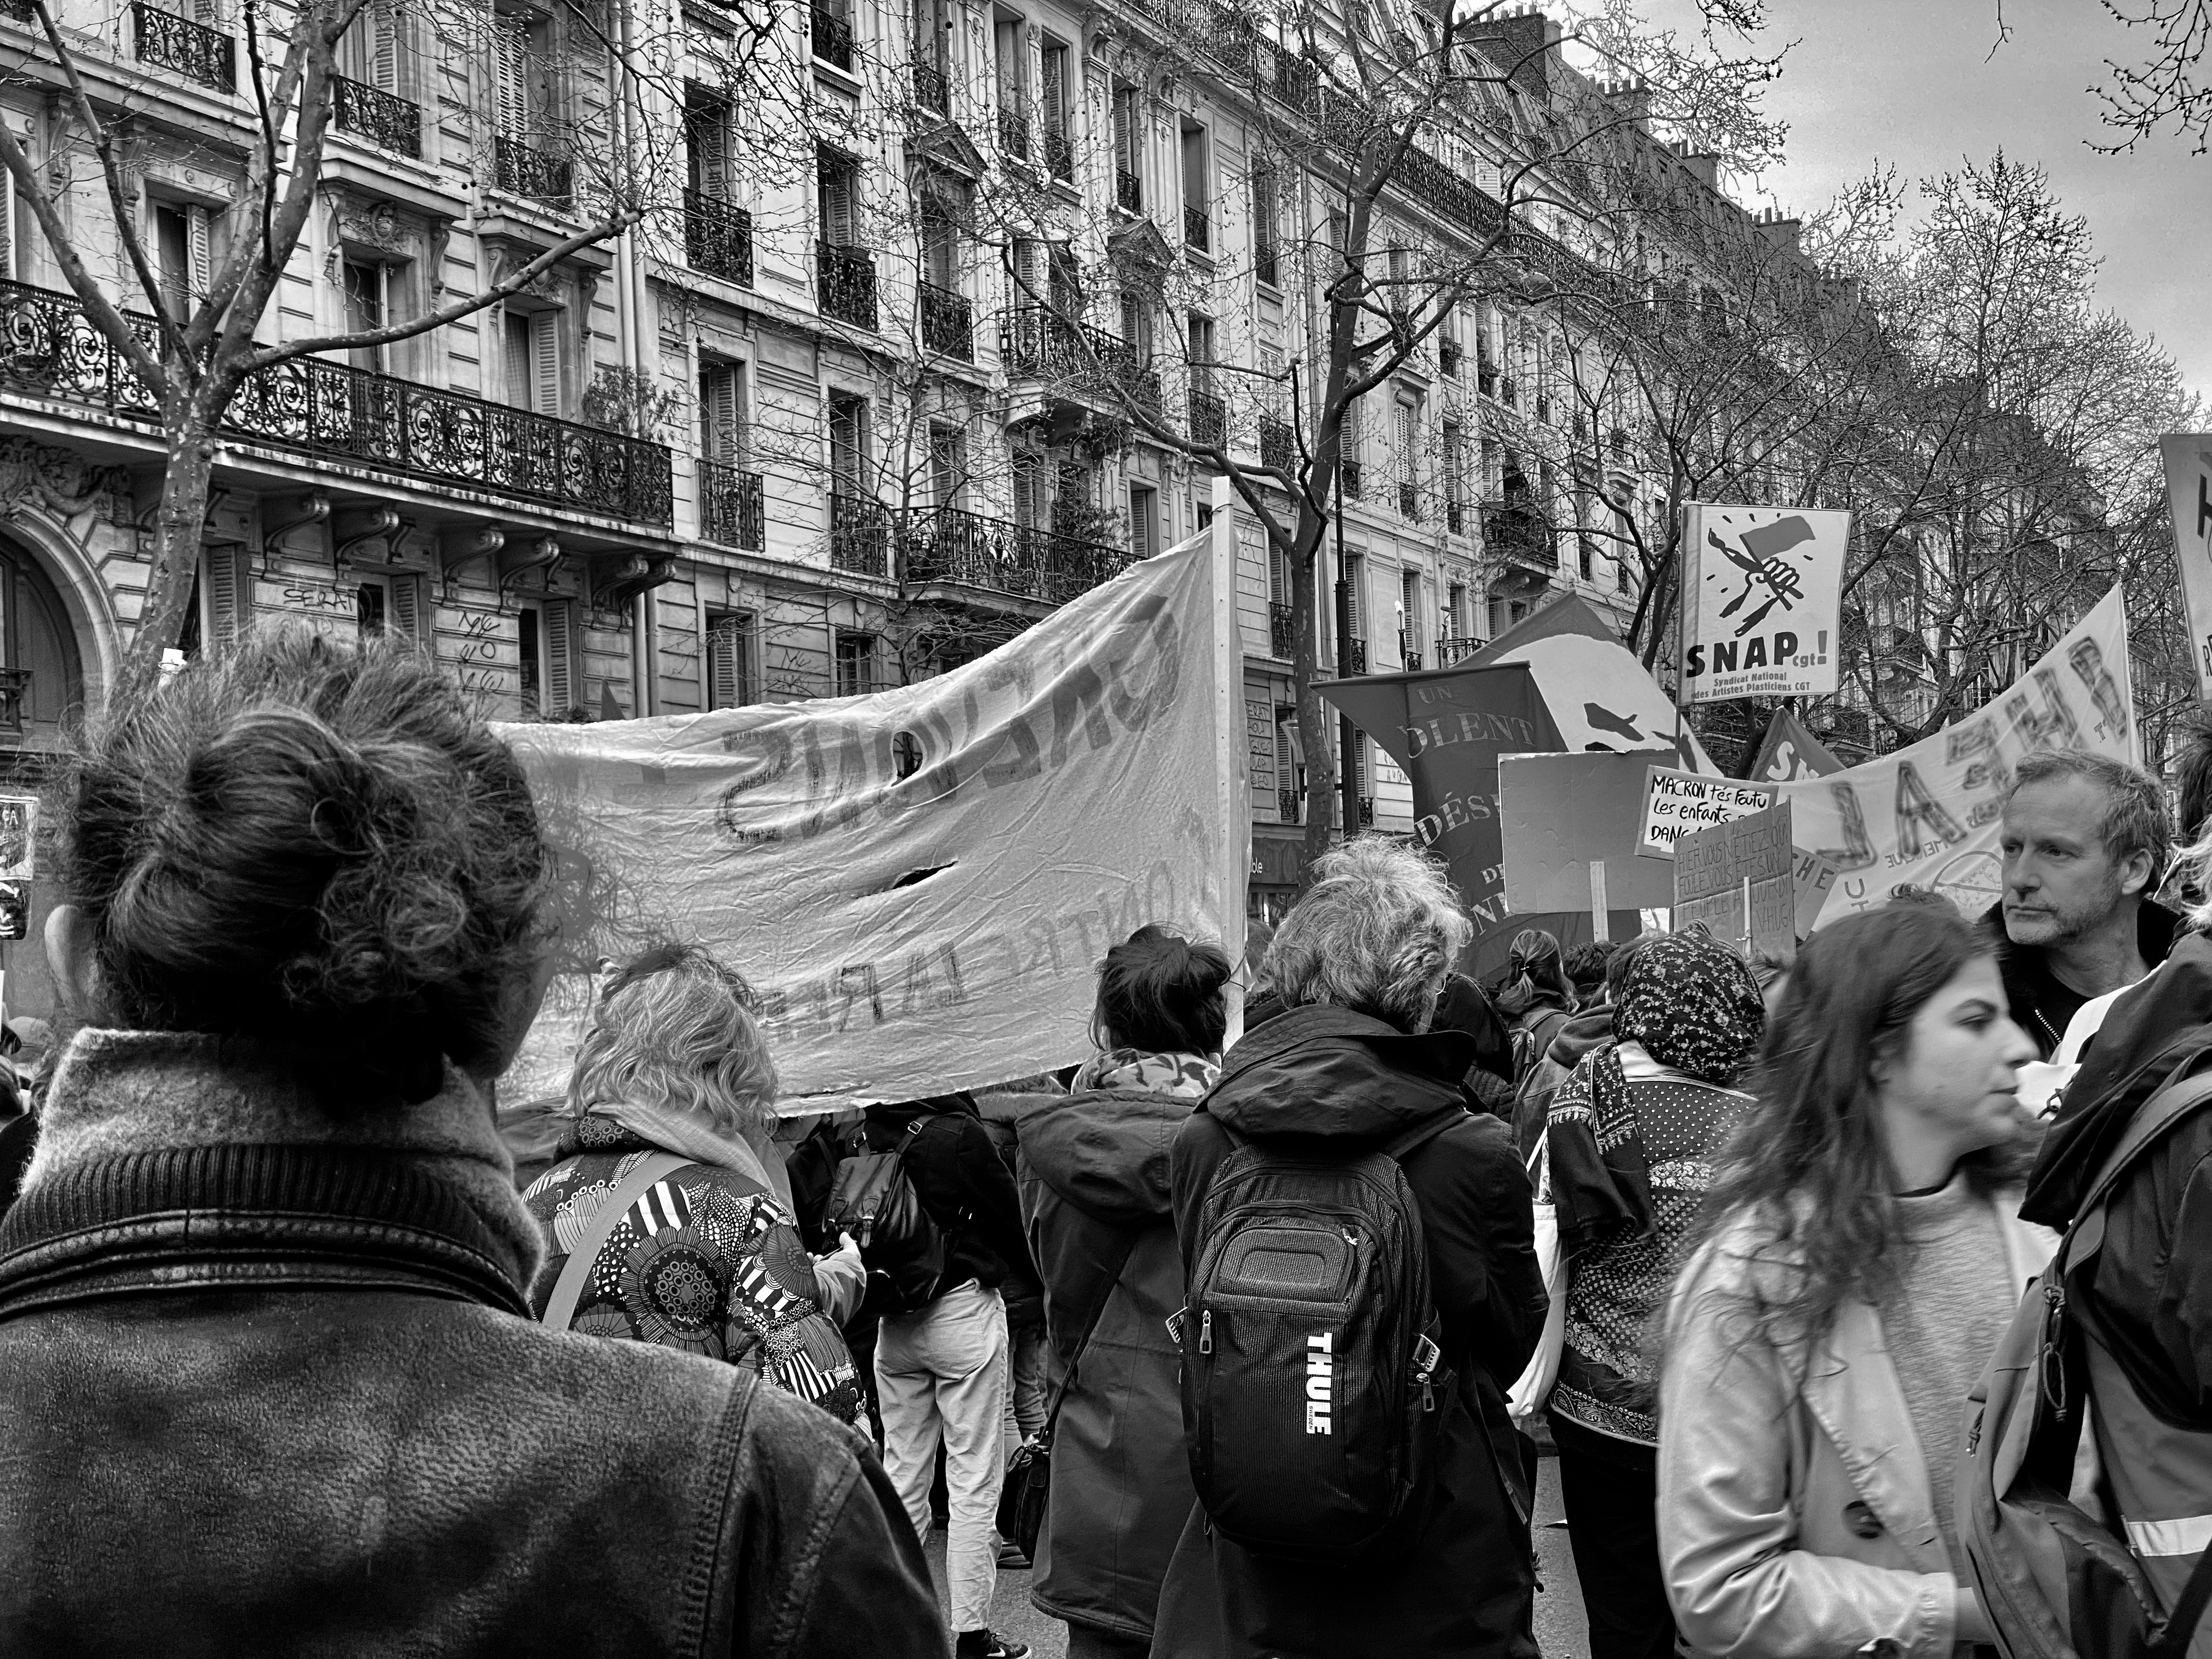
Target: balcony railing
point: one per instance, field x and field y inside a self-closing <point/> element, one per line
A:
<point x="860" y="534"/>
<point x="1409" y="503"/>
<point x="1448" y="359"/>
<point x="15" y="696"/>
<point x="1287" y="803"/>
<point x="1278" y="449"/>
<point x="386" y="119"/>
<point x="1367" y="811"/>
<point x="833" y="38"/>
<point x="1356" y="652"/>
<point x="1513" y="531"/>
<point x="1059" y="152"/>
<point x="1485" y="378"/>
<point x="1128" y="191"/>
<point x="718" y="238"/>
<point x="1281" y="635"/>
<point x="1209" y="417"/>
<point x="1039" y="342"/>
<point x="948" y="323"/>
<point x="315" y="407"/>
<point x="846" y="278"/>
<point x="1264" y="263"/>
<point x="1457" y="647"/>
<point x="731" y="507"/>
<point x="1197" y="229"/>
<point x="1013" y="131"/>
<point x="1454" y="517"/>
<point x="520" y="170"/>
<point x="950" y="544"/>
<point x="1349" y="473"/>
<point x="192" y="50"/>
<point x="932" y="89"/>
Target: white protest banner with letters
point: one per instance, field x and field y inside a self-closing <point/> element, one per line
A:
<point x="1927" y="816"/>
<point x="1768" y="585"/>
<point x="2188" y="456"/>
<point x="919" y="884"/>
<point x="1677" y="804"/>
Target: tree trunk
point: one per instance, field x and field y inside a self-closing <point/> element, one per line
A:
<point x="1313" y="719"/>
<point x="180" y="527"/>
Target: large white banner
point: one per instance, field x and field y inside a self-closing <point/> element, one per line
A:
<point x="2188" y="456"/>
<point x="1767" y="583"/>
<point x="921" y="884"/>
<point x="1927" y="815"/>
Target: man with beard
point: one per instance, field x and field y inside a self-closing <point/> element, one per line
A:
<point x="2083" y="839"/>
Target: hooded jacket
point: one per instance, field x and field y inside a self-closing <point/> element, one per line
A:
<point x="1094" y="1170"/>
<point x="962" y="1182"/>
<point x="1464" y="1587"/>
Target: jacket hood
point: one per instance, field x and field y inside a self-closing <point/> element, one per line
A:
<point x="1106" y="1151"/>
<point x="886" y="1124"/>
<point x="1328" y="1072"/>
<point x="1581" y="1034"/>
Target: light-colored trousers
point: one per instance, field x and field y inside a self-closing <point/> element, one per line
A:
<point x="941" y="1374"/>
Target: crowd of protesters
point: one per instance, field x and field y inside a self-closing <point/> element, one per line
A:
<point x="303" y="1347"/>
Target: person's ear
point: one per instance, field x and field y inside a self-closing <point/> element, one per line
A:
<point x="73" y="955"/>
<point x="2136" y="872"/>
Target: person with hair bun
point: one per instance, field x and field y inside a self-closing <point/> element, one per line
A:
<point x="1099" y="1206"/>
<point x="709" y="1258"/>
<point x="270" y="1376"/>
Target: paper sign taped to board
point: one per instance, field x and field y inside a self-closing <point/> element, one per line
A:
<point x="1753" y="857"/>
<point x="1677" y="804"/>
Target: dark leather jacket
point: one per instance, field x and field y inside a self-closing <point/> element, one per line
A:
<point x="289" y="1398"/>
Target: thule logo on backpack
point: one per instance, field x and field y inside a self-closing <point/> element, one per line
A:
<point x="1320" y="1364"/>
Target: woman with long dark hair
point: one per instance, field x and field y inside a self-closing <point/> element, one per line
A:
<point x="1865" y="1254"/>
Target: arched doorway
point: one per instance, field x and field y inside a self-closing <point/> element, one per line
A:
<point x="37" y="649"/>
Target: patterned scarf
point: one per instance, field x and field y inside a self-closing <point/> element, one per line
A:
<point x="1690" y="1003"/>
<point x="1179" y="1076"/>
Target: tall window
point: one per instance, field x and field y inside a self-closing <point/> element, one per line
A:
<point x="722" y="411"/>
<point x="707" y="143"/>
<point x="836" y="174"/>
<point x="856" y="663"/>
<point x="1202" y="354"/>
<point x="1267" y="191"/>
<point x="1054" y="99"/>
<point x="530" y="344"/>
<point x="1144" y="522"/>
<point x="948" y="465"/>
<point x="729" y="659"/>
<point x="369" y="52"/>
<point x="1454" y="448"/>
<point x="1406" y="443"/>
<point x="1029" y="508"/>
<point x="1129" y="148"/>
<point x="848" y="443"/>
<point x="1456" y="609"/>
<point x="1197" y="187"/>
<point x="1355" y="582"/>
<point x="365" y="308"/>
<point x="521" y="75"/>
<point x="182" y="247"/>
<point x="1410" y="643"/>
<point x="1137" y="323"/>
<point x="1010" y="58"/>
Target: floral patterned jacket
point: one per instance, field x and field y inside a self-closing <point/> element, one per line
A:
<point x="705" y="1262"/>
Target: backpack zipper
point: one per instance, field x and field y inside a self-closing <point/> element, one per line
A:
<point x="1205" y="1331"/>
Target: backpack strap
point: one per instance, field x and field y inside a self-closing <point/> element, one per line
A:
<point x="1398" y="1147"/>
<point x="1082" y="1342"/>
<point x="2157" y="1115"/>
<point x="576" y="1270"/>
<point x="2188" y="1612"/>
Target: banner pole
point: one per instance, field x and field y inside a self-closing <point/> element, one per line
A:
<point x="1681" y="623"/>
<point x="1233" y="796"/>
<point x="1600" y="926"/>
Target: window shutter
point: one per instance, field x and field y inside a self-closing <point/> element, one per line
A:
<point x="559" y="695"/>
<point x="545" y="362"/>
<point x="1029" y="491"/>
<point x="230" y="598"/>
<point x="1360" y="786"/>
<point x="1409" y="592"/>
<point x="1278" y="578"/>
<point x="511" y="47"/>
<point x="711" y="133"/>
<point x="724" y="413"/>
<point x="384" y="46"/>
<point x="726" y="665"/>
<point x="1055" y="90"/>
<point x="1355" y="577"/>
<point x="407" y="607"/>
<point x="1125" y="128"/>
<point x="1406" y="443"/>
<point x="7" y="224"/>
<point x="514" y="339"/>
<point x="198" y="228"/>
<point x="1286" y="777"/>
<point x="833" y="181"/>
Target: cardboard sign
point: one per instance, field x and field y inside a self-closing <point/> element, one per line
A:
<point x="1768" y="583"/>
<point x="1739" y="878"/>
<point x="2188" y="456"/>
<point x="1677" y="804"/>
<point x="1563" y="814"/>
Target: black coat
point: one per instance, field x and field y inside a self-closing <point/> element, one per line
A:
<point x="964" y="1182"/>
<point x="1465" y="1587"/>
<point x="2042" y="1007"/>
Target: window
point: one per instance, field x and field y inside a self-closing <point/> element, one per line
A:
<point x="364" y="286"/>
<point x="1410" y="643"/>
<point x="1144" y="522"/>
<point x="947" y="205"/>
<point x="706" y="145"/>
<point x="1053" y="104"/>
<point x="1202" y="354"/>
<point x="948" y="465"/>
<point x="522" y="88"/>
<point x="1011" y="59"/>
<point x="1455" y="449"/>
<point x="530" y="344"/>
<point x="722" y="411"/>
<point x="856" y="663"/>
<point x="1137" y="325"/>
<point x="547" y="672"/>
<point x="836" y="174"/>
<point x="389" y="605"/>
<point x="729" y="659"/>
<point x="848" y="443"/>
<point x="1355" y="580"/>
<point x="1267" y="191"/>
<point x="1197" y="188"/>
<point x="1407" y="444"/>
<point x="1456" y="609"/>
<point x="1128" y="147"/>
<point x="1289" y="764"/>
<point x="1029" y="490"/>
<point x="369" y="52"/>
<point x="182" y="251"/>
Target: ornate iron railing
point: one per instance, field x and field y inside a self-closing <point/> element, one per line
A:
<point x="49" y="347"/>
<point x="1059" y="152"/>
<point x="1278" y="449"/>
<point x="1280" y="634"/>
<point x="1013" y="129"/>
<point x="1037" y="341"/>
<point x="1264" y="266"/>
<point x="1448" y="359"/>
<point x="521" y="171"/>
<point x="860" y="534"/>
<point x="731" y="507"/>
<point x="1287" y="803"/>
<point x="948" y="544"/>
<point x="1128" y="191"/>
<point x="833" y="38"/>
<point x="718" y="238"/>
<point x="1409" y="502"/>
<point x="192" y="50"/>
<point x="1513" y="529"/>
<point x="845" y="278"/>
<point x="386" y="119"/>
<point x="1197" y="229"/>
<point x="948" y="322"/>
<point x="1352" y="476"/>
<point x="932" y="89"/>
<point x="1209" y="417"/>
<point x="1457" y="647"/>
<point x="14" y="695"/>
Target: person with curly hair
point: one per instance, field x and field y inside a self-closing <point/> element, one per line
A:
<point x="269" y="1376"/>
<point x="1865" y="1255"/>
<point x="673" y="1081"/>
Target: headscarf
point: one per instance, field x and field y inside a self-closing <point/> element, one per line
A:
<point x="1694" y="1005"/>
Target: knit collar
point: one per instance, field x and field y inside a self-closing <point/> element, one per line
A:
<point x="221" y="1129"/>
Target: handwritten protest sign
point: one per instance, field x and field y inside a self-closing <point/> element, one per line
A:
<point x="919" y="883"/>
<point x="1677" y="804"/>
<point x="1739" y="878"/>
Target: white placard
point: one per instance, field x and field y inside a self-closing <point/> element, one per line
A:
<point x="1766" y="586"/>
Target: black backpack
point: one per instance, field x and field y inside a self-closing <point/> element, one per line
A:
<point x="1312" y="1381"/>
<point x="902" y="1246"/>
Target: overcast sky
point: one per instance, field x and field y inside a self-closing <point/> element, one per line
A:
<point x="1914" y="82"/>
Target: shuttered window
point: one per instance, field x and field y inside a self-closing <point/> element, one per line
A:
<point x="834" y="172"/>
<point x="8" y="226"/>
<point x="228" y="581"/>
<point x="1029" y="490"/>
<point x="1355" y="578"/>
<point x="722" y="412"/>
<point x="515" y="352"/>
<point x="729" y="659"/>
<point x="406" y="606"/>
<point x="545" y="362"/>
<point x="557" y="647"/>
<point x="511" y="65"/>
<point x="1409" y="592"/>
<point x="707" y="131"/>
<point x="848" y="443"/>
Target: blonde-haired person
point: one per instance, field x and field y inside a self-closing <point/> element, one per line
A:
<point x="706" y="1258"/>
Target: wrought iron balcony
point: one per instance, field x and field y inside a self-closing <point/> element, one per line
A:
<point x="1013" y="130"/>
<point x="1281" y="636"/>
<point x="833" y="38"/>
<point x="386" y="119"/>
<point x="1287" y="803"/>
<point x="520" y="170"/>
<point x="1209" y="417"/>
<point x="1367" y="811"/>
<point x="1351" y="474"/>
<point x="948" y="322"/>
<point x="932" y="89"/>
<point x="845" y="278"/>
<point x="1512" y="529"/>
<point x="1264" y="263"/>
<point x="1059" y="152"/>
<point x="1454" y="517"/>
<point x="1128" y="191"/>
<point x="731" y="507"/>
<point x="718" y="238"/>
<point x="1356" y="652"/>
<point x="1197" y="229"/>
<point x="15" y="696"/>
<point x="950" y="544"/>
<point x="1278" y="449"/>
<point x="315" y="407"/>
<point x="1039" y="344"/>
<point x="192" y="50"/>
<point x="1457" y="647"/>
<point x="1508" y="393"/>
<point x="860" y="534"/>
<point x="1448" y="359"/>
<point x="1409" y="502"/>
